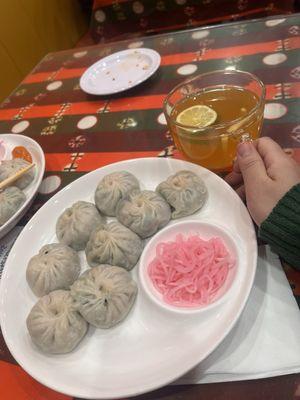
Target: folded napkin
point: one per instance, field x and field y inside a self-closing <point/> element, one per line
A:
<point x="266" y="340"/>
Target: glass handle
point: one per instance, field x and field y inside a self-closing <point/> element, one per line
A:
<point x="246" y="137"/>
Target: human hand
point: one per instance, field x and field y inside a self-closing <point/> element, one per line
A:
<point x="262" y="174"/>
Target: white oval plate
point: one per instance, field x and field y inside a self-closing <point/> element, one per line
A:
<point x="152" y="347"/>
<point x="10" y="141"/>
<point x="120" y="71"/>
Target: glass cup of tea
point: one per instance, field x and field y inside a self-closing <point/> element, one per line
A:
<point x="211" y="113"/>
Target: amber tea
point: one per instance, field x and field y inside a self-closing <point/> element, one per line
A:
<point x="207" y="124"/>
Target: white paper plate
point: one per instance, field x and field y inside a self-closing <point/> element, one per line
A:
<point x="152" y="347"/>
<point x="120" y="71"/>
<point x="10" y="141"/>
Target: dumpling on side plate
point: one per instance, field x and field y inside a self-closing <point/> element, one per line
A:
<point x="185" y="192"/>
<point x="10" y="167"/>
<point x="114" y="244"/>
<point x="11" y="199"/>
<point x="75" y="224"/>
<point x="113" y="188"/>
<point x="54" y="324"/>
<point x="56" y="266"/>
<point x="104" y="295"/>
<point x="144" y="212"/>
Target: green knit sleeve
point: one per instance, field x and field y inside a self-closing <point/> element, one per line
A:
<point x="281" y="230"/>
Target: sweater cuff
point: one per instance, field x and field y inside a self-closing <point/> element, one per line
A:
<point x="281" y="229"/>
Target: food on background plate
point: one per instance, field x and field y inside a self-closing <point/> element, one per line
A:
<point x="144" y="212"/>
<point x="113" y="188"/>
<point x="190" y="272"/>
<point x="56" y="266"/>
<point x="75" y="224"/>
<point x="10" y="167"/>
<point x="54" y="325"/>
<point x="11" y="199"/>
<point x="21" y="152"/>
<point x="104" y="295"/>
<point x="185" y="192"/>
<point x="114" y="244"/>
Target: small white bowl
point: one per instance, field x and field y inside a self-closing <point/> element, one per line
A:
<point x="206" y="231"/>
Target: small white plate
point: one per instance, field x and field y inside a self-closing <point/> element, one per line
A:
<point x="10" y="141"/>
<point x="120" y="71"/>
<point x="151" y="347"/>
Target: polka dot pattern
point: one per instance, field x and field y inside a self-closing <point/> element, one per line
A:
<point x="87" y="122"/>
<point x="274" y="110"/>
<point x="20" y="127"/>
<point x="80" y="54"/>
<point x="135" y="45"/>
<point x="274" y="59"/>
<point x="54" y="85"/>
<point x="100" y="16"/>
<point x="200" y="34"/>
<point x="274" y="22"/>
<point x="187" y="69"/>
<point x="138" y="7"/>
<point x="50" y="184"/>
<point x="161" y="119"/>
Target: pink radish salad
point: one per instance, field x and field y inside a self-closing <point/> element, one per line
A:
<point x="189" y="272"/>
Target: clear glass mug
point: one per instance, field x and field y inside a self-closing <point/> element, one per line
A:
<point x="214" y="146"/>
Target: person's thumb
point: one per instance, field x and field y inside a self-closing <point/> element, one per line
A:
<point x="251" y="165"/>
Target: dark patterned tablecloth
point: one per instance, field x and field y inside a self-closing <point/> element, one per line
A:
<point x="79" y="133"/>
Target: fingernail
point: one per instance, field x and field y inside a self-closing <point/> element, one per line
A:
<point x="245" y="149"/>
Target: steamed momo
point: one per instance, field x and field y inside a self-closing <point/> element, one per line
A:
<point x="144" y="212"/>
<point x="56" y="266"/>
<point x="104" y="295"/>
<point x="11" y="200"/>
<point x="76" y="224"/>
<point x="54" y="324"/>
<point x="112" y="188"/>
<point x="10" y="167"/>
<point x="113" y="244"/>
<point x="185" y="192"/>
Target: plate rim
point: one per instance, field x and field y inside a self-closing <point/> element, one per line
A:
<point x="154" y="55"/>
<point x="40" y="173"/>
<point x="150" y="387"/>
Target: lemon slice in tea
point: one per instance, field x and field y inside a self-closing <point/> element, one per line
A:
<point x="198" y="116"/>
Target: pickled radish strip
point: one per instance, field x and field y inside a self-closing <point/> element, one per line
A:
<point x="190" y="271"/>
